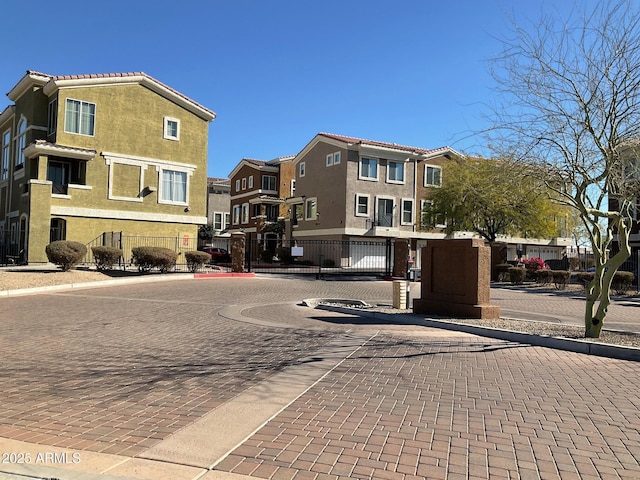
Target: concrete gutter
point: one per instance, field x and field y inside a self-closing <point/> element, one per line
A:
<point x="568" y="344"/>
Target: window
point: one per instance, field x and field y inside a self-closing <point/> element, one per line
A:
<point x="21" y="142"/>
<point x="272" y="212"/>
<point x="269" y="183"/>
<point x="245" y="213"/>
<point x="369" y="168"/>
<point x="395" y="172"/>
<point x="236" y="214"/>
<point x="311" y="209"/>
<point x="53" y="117"/>
<point x="362" y="205"/>
<point x="250" y="181"/>
<point x="80" y="117"/>
<point x="217" y="221"/>
<point x="257" y="210"/>
<point x="330" y="160"/>
<point x="227" y="220"/>
<point x="432" y="176"/>
<point x="302" y="168"/>
<point x="407" y="212"/>
<point x="6" y="139"/>
<point x="293" y="188"/>
<point x="426" y="217"/>
<point x="173" y="187"/>
<point x="244" y="183"/>
<point x="336" y="158"/>
<point x="58" y="175"/>
<point x="384" y="216"/>
<point x="237" y="185"/>
<point x="171" y="128"/>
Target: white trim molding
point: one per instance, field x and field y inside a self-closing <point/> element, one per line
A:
<point x="126" y="215"/>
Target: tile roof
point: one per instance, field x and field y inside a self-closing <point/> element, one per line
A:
<point x="218" y="181"/>
<point x="107" y="76"/>
<point x="375" y="143"/>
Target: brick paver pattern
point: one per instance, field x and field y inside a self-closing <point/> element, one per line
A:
<point x="456" y="409"/>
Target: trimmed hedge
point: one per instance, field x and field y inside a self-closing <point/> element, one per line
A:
<point x="502" y="271"/>
<point x="517" y="275"/>
<point x="105" y="257"/>
<point x="620" y="284"/>
<point x="146" y="258"/>
<point x="65" y="254"/>
<point x="196" y="260"/>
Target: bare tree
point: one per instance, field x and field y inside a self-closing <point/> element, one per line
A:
<point x="569" y="94"/>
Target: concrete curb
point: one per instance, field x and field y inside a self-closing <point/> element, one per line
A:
<point x="122" y="281"/>
<point x="568" y="344"/>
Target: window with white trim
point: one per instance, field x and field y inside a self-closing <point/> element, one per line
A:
<point x="432" y="176"/>
<point x="407" y="212"/>
<point x="227" y="220"/>
<point x="237" y="185"/>
<point x="395" y="172"/>
<point x="336" y="158"/>
<point x="218" y="223"/>
<point x="368" y="169"/>
<point x="293" y="188"/>
<point x="79" y="117"/>
<point x="310" y="208"/>
<point x="173" y="187"/>
<point x="171" y="128"/>
<point x="330" y="160"/>
<point x="269" y="183"/>
<point x="244" y="183"/>
<point x="250" y="181"/>
<point x="245" y="213"/>
<point x="302" y="169"/>
<point x="236" y="214"/>
<point x="21" y="142"/>
<point x="362" y="205"/>
<point x="6" y="143"/>
<point x="425" y="221"/>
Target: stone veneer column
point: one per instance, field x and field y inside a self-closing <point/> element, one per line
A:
<point x="238" y="242"/>
<point x="456" y="279"/>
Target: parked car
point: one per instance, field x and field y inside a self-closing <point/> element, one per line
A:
<point x="218" y="255"/>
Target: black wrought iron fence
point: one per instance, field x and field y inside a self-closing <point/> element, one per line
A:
<point x="319" y="257"/>
<point x="11" y="254"/>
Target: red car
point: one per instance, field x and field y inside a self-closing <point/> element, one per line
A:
<point x="218" y="255"/>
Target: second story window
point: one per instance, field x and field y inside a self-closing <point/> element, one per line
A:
<point x="4" y="168"/>
<point x="171" y="128"/>
<point x="53" y="117"/>
<point x="395" y="172"/>
<point x="79" y="117"/>
<point x="368" y="169"/>
<point x="250" y="181"/>
<point x="21" y="142"/>
<point x="269" y="183"/>
<point x="432" y="176"/>
<point x="303" y="169"/>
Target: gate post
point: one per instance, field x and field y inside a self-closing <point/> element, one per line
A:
<point x="237" y="252"/>
<point x="400" y="258"/>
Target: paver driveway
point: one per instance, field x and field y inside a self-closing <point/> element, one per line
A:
<point x="125" y="369"/>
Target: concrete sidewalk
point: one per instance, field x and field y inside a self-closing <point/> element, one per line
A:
<point x="210" y="387"/>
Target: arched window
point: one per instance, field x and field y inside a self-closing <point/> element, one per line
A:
<point x="58" y="229"/>
<point x="21" y="142"/>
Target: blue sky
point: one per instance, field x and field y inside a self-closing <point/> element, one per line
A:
<point x="277" y="72"/>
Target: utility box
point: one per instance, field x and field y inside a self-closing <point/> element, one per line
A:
<point x="400" y="294"/>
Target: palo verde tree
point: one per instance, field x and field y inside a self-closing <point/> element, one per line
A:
<point x="569" y="105"/>
<point x="491" y="198"/>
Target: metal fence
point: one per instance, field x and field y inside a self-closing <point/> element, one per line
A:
<point x="11" y="254"/>
<point x="319" y="257"/>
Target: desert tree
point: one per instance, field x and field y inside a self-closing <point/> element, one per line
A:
<point x="492" y="197"/>
<point x="568" y="104"/>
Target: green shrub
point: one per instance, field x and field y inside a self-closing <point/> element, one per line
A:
<point x="65" y="254"/>
<point x="266" y="256"/>
<point x="560" y="278"/>
<point x="544" y="276"/>
<point x="502" y="271"/>
<point x="146" y="258"/>
<point x="105" y="257"/>
<point x="196" y="260"/>
<point x="284" y="254"/>
<point x="517" y="275"/>
<point x="622" y="282"/>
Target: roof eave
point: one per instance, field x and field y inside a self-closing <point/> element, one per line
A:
<point x="25" y="83"/>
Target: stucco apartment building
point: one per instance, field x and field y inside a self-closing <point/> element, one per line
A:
<point x="86" y="154"/>
<point x="258" y="192"/>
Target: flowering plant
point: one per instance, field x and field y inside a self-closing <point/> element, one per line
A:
<point x="533" y="265"/>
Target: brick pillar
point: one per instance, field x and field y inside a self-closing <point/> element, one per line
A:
<point x="238" y="242"/>
<point x="498" y="256"/>
<point x="400" y="257"/>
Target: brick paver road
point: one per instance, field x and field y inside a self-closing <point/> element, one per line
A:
<point x="120" y="369"/>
